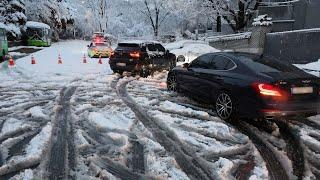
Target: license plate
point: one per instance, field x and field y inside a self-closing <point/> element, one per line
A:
<point x="121" y="64"/>
<point x="302" y="90"/>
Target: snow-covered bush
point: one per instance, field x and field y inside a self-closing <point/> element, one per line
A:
<point x="12" y="17"/>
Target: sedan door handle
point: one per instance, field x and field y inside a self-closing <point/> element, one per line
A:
<point x="219" y="77"/>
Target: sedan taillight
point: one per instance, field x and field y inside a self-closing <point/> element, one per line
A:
<point x="267" y="89"/>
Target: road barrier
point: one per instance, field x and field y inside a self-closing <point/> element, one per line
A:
<point x="11" y="63"/>
<point x="59" y="59"/>
<point x="100" y="60"/>
<point x="33" y="60"/>
<point x="84" y="59"/>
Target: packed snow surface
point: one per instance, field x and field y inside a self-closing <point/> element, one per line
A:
<point x="312" y="68"/>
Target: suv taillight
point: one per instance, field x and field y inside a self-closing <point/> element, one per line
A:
<point x="135" y="54"/>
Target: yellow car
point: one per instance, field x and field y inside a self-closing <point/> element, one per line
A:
<point x="97" y="49"/>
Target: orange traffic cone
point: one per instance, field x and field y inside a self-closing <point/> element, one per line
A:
<point x="59" y="59"/>
<point x="84" y="59"/>
<point x="11" y="62"/>
<point x="33" y="60"/>
<point x="100" y="60"/>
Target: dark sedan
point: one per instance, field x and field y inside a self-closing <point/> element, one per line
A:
<point x="246" y="85"/>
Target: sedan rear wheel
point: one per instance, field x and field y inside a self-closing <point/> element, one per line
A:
<point x="224" y="106"/>
<point x="172" y="83"/>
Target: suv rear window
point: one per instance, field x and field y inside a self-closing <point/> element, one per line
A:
<point x="156" y="47"/>
<point x="267" y="65"/>
<point x="129" y="47"/>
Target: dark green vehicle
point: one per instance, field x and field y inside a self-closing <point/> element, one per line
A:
<point x="38" y="34"/>
<point x="3" y="44"/>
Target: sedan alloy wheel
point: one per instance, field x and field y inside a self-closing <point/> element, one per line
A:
<point x="224" y="106"/>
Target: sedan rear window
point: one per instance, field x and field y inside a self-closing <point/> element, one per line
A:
<point x="267" y="65"/>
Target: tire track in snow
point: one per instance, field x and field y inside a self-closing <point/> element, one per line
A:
<point x="274" y="166"/>
<point x="195" y="167"/>
<point x="293" y="149"/>
<point x="61" y="156"/>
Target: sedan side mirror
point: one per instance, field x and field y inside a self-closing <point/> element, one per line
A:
<point x="88" y="45"/>
<point x="167" y="51"/>
<point x="181" y="58"/>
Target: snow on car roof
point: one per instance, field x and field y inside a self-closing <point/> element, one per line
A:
<point x="138" y="42"/>
<point x="33" y="24"/>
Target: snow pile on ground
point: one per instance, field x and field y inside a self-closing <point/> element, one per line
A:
<point x="111" y="119"/>
<point x="165" y="165"/>
<point x="38" y="143"/>
<point x="312" y="68"/>
<point x="37" y="112"/>
<point x="169" y="106"/>
<point x="190" y="49"/>
<point x="13" y="124"/>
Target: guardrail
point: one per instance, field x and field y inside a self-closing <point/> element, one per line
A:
<point x="312" y="70"/>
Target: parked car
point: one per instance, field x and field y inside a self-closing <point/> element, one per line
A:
<point x="3" y="45"/>
<point x="141" y="57"/>
<point x="97" y="49"/>
<point x="168" y="38"/>
<point x="247" y="85"/>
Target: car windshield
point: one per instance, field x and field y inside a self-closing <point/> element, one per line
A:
<point x="267" y="64"/>
<point x="34" y="32"/>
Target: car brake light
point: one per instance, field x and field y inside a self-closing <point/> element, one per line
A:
<point x="268" y="90"/>
<point x="111" y="53"/>
<point x="135" y="54"/>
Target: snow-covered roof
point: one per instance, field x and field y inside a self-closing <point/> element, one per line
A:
<point x="33" y="24"/>
<point x="230" y="37"/>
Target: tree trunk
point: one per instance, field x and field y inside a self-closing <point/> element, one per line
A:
<point x="218" y="24"/>
<point x="241" y="16"/>
<point x="156" y="31"/>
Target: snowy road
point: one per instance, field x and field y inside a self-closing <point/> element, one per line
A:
<point x="80" y="121"/>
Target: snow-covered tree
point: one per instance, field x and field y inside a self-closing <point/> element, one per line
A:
<point x="12" y="16"/>
<point x="157" y="11"/>
<point x="237" y="13"/>
<point x="98" y="8"/>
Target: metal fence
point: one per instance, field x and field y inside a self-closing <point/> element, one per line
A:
<point x="297" y="47"/>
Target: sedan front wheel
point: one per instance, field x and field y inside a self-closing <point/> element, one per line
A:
<point x="224" y="106"/>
